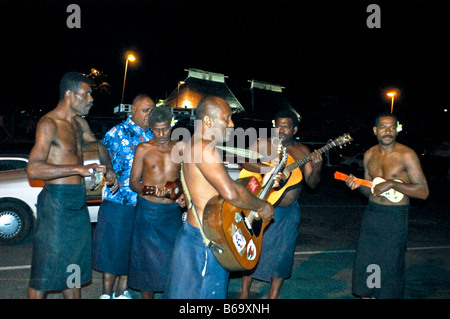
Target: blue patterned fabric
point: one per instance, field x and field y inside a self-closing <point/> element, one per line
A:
<point x="121" y="142"/>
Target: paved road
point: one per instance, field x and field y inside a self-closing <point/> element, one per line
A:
<point x="328" y="233"/>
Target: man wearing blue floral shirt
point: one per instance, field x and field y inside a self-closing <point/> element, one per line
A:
<point x="111" y="239"/>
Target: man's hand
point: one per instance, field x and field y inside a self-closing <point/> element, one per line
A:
<point x="383" y="187"/>
<point x="88" y="170"/>
<point x="277" y="179"/>
<point x="316" y="160"/>
<point x="267" y="212"/>
<point x="111" y="180"/>
<point x="181" y="201"/>
<point x="350" y="182"/>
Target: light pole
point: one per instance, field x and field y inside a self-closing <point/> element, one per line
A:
<point x="131" y="58"/>
<point x="392" y="95"/>
<point x="178" y="92"/>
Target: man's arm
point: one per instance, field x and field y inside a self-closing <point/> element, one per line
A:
<point x="312" y="169"/>
<point x="38" y="167"/>
<point x="137" y="169"/>
<point x="215" y="173"/>
<point x="103" y="154"/>
<point x="350" y="181"/>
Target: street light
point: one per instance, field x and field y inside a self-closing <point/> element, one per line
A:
<point x="391" y="95"/>
<point x="131" y="58"/>
<point x="178" y="91"/>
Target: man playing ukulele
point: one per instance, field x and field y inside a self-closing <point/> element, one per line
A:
<point x="384" y="226"/>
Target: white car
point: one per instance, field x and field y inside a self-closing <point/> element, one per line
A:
<point x="18" y="200"/>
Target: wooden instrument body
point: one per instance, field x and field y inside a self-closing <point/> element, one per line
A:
<point x="225" y="224"/>
<point x="294" y="178"/>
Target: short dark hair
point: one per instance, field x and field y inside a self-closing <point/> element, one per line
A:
<point x="385" y="114"/>
<point x="71" y="81"/>
<point x="159" y="115"/>
<point x="286" y="113"/>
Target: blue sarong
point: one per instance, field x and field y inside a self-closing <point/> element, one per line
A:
<point x="155" y="229"/>
<point x="278" y="246"/>
<point x="195" y="272"/>
<point x="112" y="238"/>
<point x="61" y="257"/>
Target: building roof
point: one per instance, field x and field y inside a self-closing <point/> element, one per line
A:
<point x="266" y="99"/>
<point x="198" y="84"/>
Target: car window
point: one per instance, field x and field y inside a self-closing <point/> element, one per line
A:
<point x="6" y="165"/>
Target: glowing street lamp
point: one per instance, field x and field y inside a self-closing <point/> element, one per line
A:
<point x="391" y="95"/>
<point x="178" y="91"/>
<point x="131" y="58"/>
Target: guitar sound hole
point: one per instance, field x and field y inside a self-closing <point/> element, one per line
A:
<point x="255" y="226"/>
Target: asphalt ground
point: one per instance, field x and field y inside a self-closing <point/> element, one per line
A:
<point x="328" y="234"/>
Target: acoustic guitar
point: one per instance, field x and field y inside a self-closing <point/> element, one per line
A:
<point x="95" y="182"/>
<point x="292" y="170"/>
<point x="391" y="194"/>
<point x="238" y="232"/>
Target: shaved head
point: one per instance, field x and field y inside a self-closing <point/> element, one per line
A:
<point x="211" y="106"/>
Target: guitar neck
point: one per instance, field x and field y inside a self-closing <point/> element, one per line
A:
<point x="268" y="187"/>
<point x="307" y="158"/>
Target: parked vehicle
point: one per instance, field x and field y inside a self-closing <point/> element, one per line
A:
<point x="18" y="200"/>
<point x="11" y="162"/>
<point x="354" y="162"/>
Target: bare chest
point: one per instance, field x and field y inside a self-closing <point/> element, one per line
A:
<point x="390" y="166"/>
<point x="160" y="167"/>
<point x="67" y="145"/>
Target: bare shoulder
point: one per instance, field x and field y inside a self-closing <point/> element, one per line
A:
<point x="370" y="151"/>
<point x="47" y="121"/>
<point x="47" y="127"/>
<point x="302" y="148"/>
<point x="404" y="149"/>
<point x="407" y="152"/>
<point x="146" y="146"/>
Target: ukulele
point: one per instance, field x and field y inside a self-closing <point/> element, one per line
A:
<point x="391" y="194"/>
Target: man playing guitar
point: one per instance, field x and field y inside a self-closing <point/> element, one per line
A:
<point x="206" y="177"/>
<point x="277" y="256"/>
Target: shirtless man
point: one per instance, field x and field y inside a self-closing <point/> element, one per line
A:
<point x="195" y="272"/>
<point x="157" y="215"/>
<point x="63" y="229"/>
<point x="279" y="239"/>
<point x="384" y="227"/>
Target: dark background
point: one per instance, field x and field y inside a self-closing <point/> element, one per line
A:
<point x="336" y="71"/>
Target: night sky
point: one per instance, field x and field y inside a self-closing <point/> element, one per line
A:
<point x="335" y="69"/>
